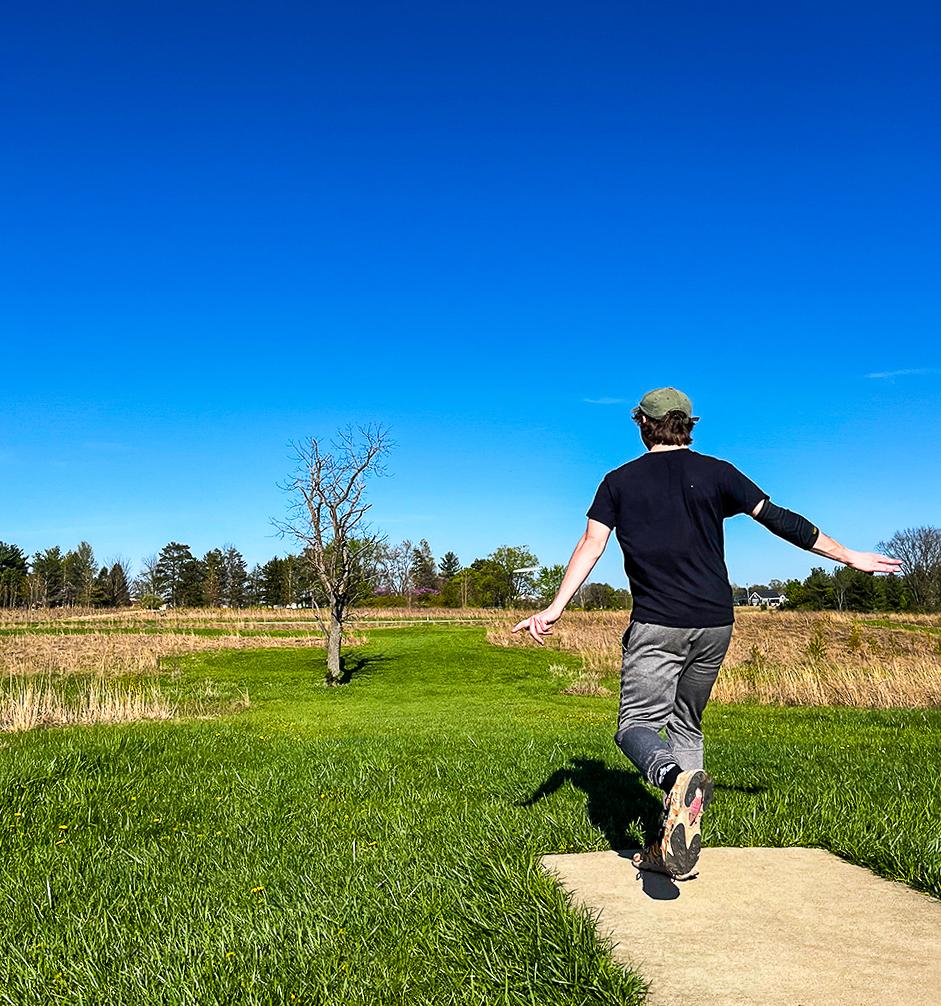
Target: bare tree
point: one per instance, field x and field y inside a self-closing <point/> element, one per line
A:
<point x="842" y="578"/>
<point x="919" y="549"/>
<point x="326" y="515"/>
<point x="395" y="567"/>
<point x="148" y="581"/>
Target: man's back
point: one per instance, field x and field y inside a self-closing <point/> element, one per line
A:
<point x="667" y="507"/>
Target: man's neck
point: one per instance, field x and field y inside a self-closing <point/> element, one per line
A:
<point x="669" y="447"/>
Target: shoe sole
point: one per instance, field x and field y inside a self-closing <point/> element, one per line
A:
<point x="682" y="840"/>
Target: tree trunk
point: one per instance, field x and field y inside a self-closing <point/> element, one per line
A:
<point x="334" y="638"/>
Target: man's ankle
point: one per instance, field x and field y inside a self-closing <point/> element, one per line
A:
<point x="667" y="776"/>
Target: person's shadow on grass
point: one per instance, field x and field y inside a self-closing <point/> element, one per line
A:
<point x="616" y="799"/>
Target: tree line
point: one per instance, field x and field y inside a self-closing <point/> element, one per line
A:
<point x="846" y="589"/>
<point x="407" y="573"/>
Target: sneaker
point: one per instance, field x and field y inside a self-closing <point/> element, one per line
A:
<point x="681" y="840"/>
<point x="651" y="858"/>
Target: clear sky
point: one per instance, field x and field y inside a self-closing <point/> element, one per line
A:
<point x="491" y="226"/>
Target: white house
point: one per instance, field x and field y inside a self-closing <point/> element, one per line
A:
<point x="768" y="598"/>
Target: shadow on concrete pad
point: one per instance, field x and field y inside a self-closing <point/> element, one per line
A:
<point x="616" y="800"/>
<point x="655" y="885"/>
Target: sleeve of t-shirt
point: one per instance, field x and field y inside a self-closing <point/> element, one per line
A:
<point x="603" y="507"/>
<point x="739" y="493"/>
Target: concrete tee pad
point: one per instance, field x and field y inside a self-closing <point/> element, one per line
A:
<point x="763" y="927"/>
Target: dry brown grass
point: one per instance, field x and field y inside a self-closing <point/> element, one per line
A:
<point x="579" y="682"/>
<point x="123" y="653"/>
<point x="33" y="702"/>
<point x="236" y="619"/>
<point x="790" y="658"/>
<point x="805" y="658"/>
<point x="40" y="702"/>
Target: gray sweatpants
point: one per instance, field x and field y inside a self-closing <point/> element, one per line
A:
<point x="667" y="676"/>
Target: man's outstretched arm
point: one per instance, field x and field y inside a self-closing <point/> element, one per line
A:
<point x="799" y="531"/>
<point x="587" y="552"/>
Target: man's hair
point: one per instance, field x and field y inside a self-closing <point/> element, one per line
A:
<point x="674" y="429"/>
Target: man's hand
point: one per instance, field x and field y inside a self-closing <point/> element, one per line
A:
<point x="538" y="624"/>
<point x="872" y="562"/>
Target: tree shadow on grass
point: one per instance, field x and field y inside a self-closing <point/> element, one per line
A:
<point x="616" y="799"/>
<point x="360" y="664"/>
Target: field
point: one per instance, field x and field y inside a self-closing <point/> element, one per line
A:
<point x="276" y="841"/>
<point x="790" y="658"/>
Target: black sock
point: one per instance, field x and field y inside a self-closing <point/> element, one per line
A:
<point x="668" y="775"/>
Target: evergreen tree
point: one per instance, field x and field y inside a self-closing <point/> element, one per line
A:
<point x="13" y="572"/>
<point x="892" y="593"/>
<point x="119" y="589"/>
<point x="48" y="577"/>
<point x="101" y="589"/>
<point x="178" y="576"/>
<point x="85" y="566"/>
<point x="213" y="584"/>
<point x="423" y="569"/>
<point x="796" y="596"/>
<point x="254" y="586"/>
<point x="78" y="573"/>
<point x="449" y="566"/>
<point x="191" y="584"/>
<point x="862" y="593"/>
<point x="272" y="582"/>
<point x="818" y="589"/>
<point x="291" y="577"/>
<point x="234" y="576"/>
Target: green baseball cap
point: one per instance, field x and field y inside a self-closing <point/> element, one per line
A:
<point x="660" y="401"/>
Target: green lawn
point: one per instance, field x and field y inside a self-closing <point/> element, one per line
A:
<point x="378" y="843"/>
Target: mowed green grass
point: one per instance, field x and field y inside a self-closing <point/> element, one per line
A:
<point x="379" y="842"/>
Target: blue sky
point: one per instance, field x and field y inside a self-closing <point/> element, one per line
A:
<point x="490" y="226"/>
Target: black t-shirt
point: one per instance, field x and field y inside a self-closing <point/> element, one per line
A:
<point x="668" y="508"/>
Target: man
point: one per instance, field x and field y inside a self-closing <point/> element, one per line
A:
<point x="668" y="506"/>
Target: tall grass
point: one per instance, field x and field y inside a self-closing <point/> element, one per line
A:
<point x="123" y="653"/>
<point x="32" y="702"/>
<point x="794" y="658"/>
<point x="43" y="701"/>
<point x="234" y="618"/>
<point x="788" y="658"/>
